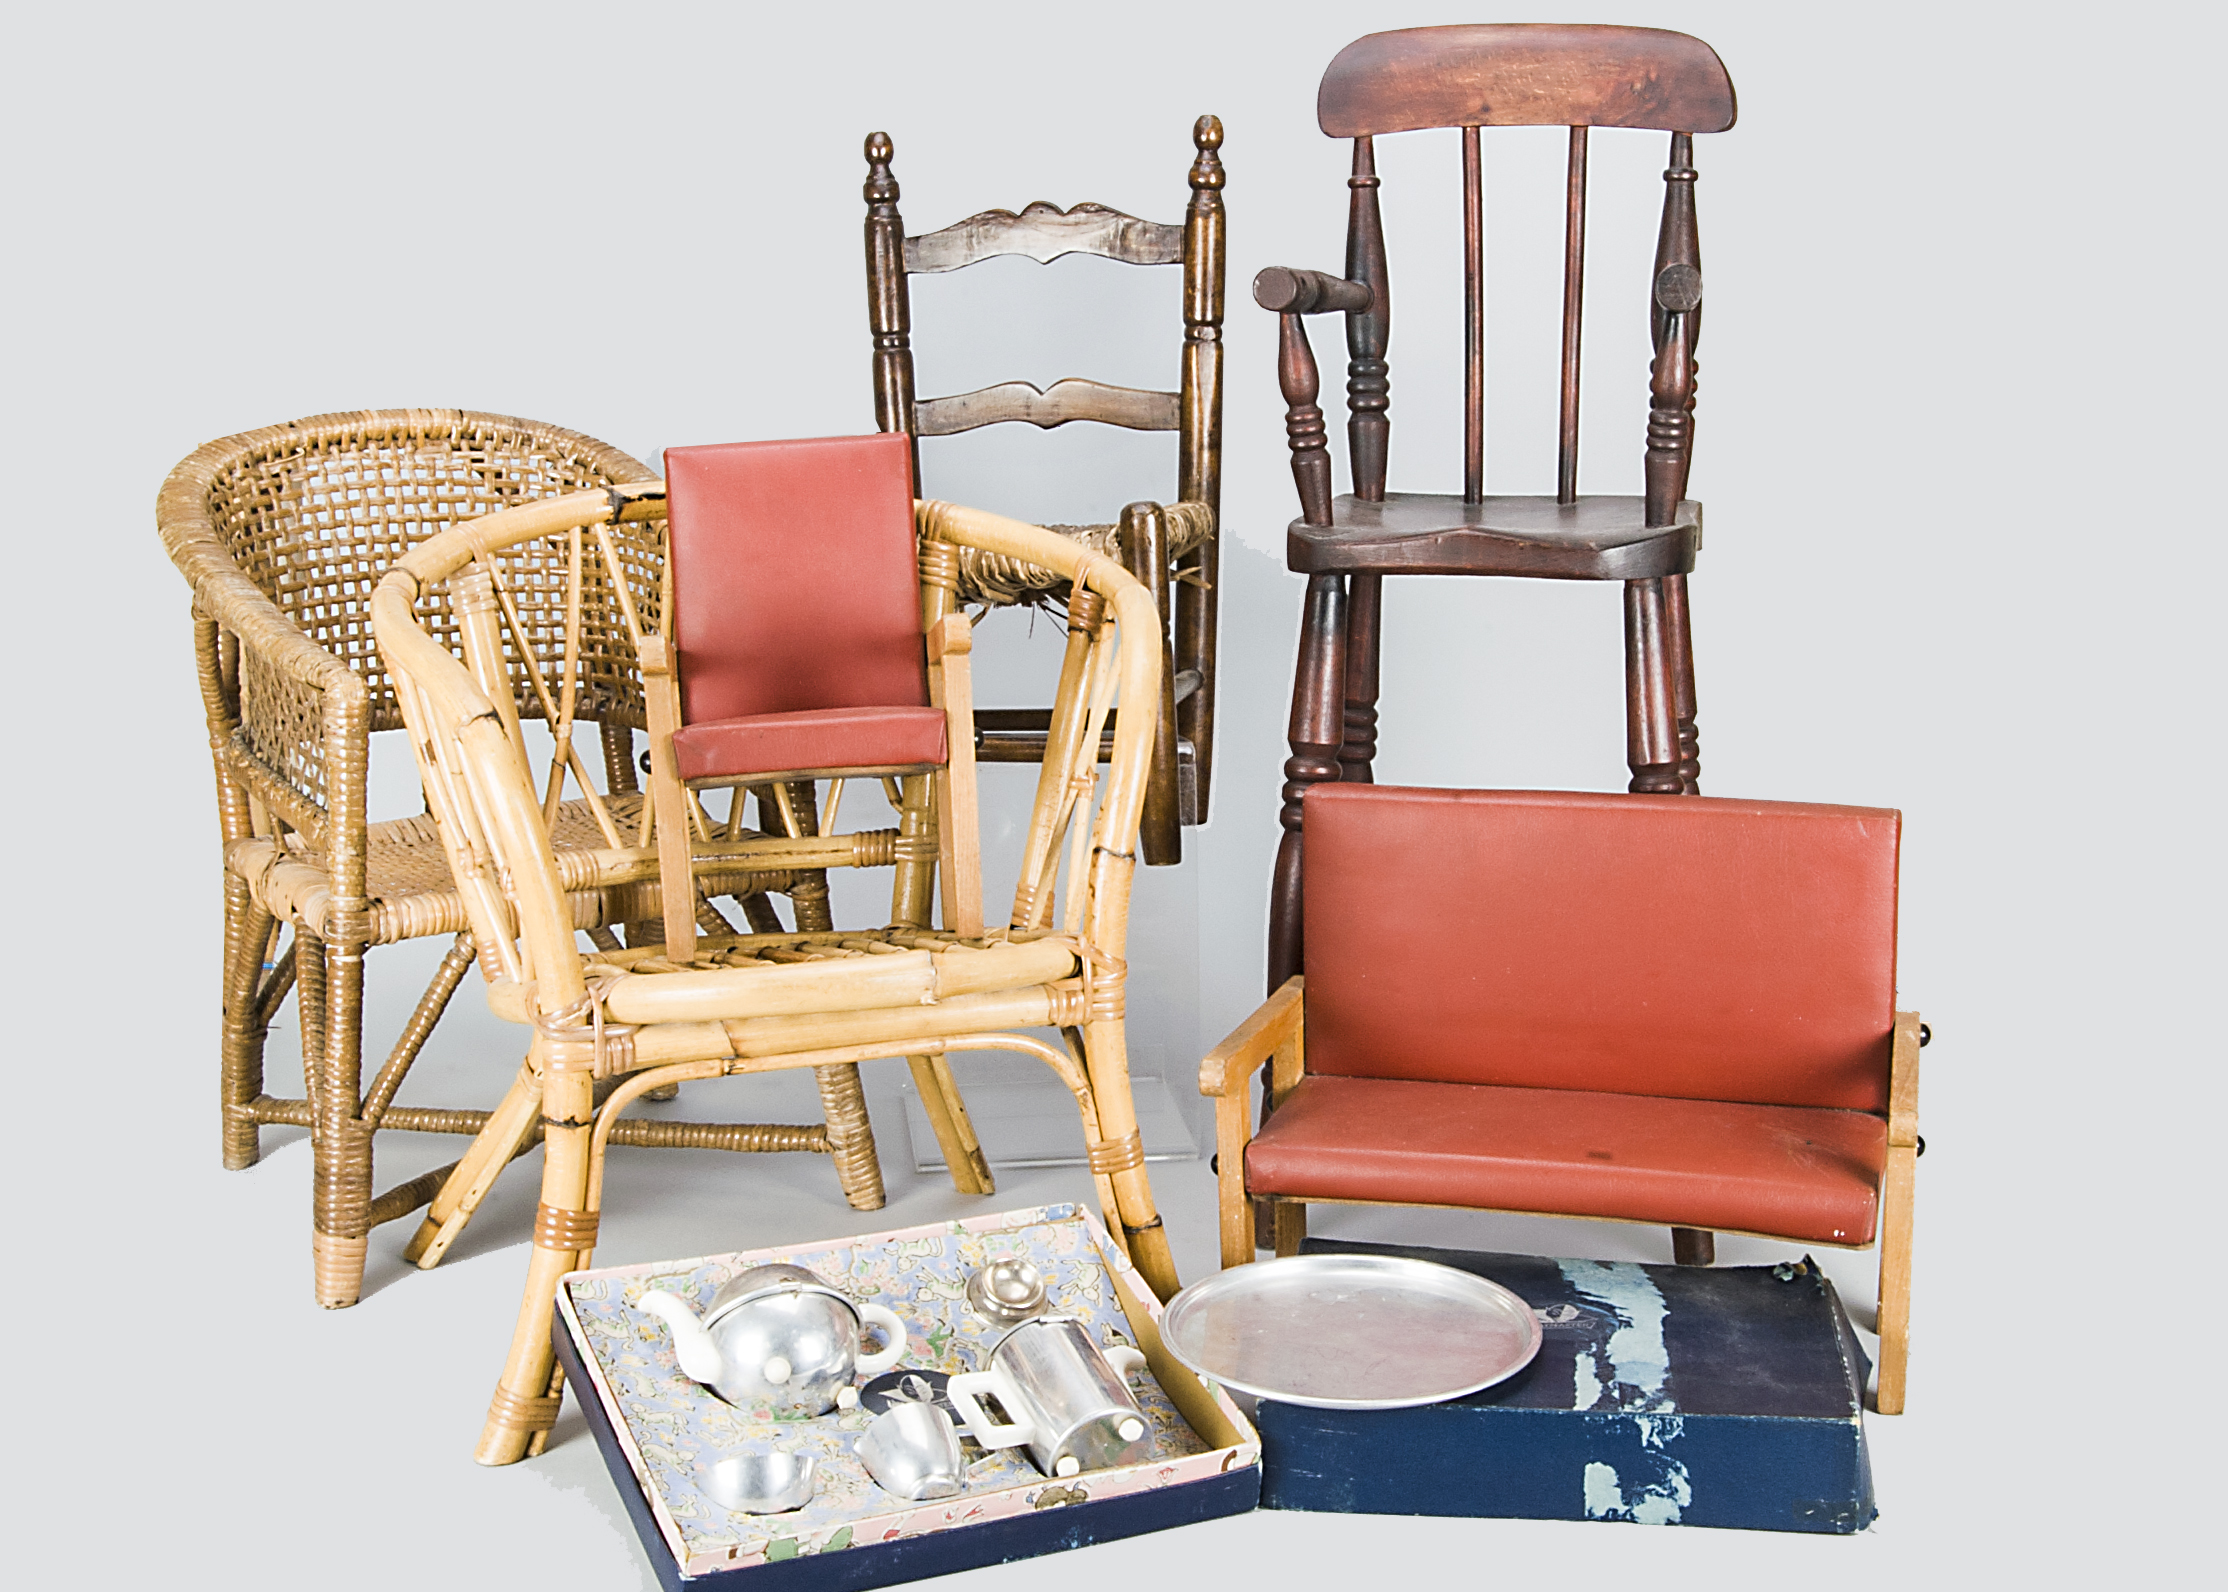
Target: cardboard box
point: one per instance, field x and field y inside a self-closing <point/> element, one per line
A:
<point x="1665" y="1395"/>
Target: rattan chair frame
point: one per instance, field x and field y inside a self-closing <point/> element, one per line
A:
<point x="764" y="1002"/>
<point x="281" y="534"/>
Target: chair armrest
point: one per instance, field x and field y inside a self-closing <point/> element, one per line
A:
<point x="1903" y="1083"/>
<point x="1231" y="1065"/>
<point x="1287" y="291"/>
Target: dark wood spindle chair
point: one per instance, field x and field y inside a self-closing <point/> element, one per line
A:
<point x="1471" y="77"/>
<point x="1171" y="547"/>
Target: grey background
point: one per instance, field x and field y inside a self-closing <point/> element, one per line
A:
<point x="1958" y="398"/>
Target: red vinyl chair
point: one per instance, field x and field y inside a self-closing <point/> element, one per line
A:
<point x="812" y="639"/>
<point x="1662" y="1009"/>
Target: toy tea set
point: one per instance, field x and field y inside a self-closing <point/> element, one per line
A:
<point x="916" y="1402"/>
<point x="778" y="1337"/>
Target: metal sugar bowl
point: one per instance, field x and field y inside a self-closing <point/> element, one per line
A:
<point x="1064" y="1397"/>
<point x="780" y="1337"/>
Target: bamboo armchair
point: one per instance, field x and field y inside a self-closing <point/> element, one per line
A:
<point x="1172" y="547"/>
<point x="281" y="533"/>
<point x="633" y="1021"/>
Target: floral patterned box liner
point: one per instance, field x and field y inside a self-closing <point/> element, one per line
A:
<point x="674" y="1430"/>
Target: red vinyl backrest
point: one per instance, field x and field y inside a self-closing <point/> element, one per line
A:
<point x="1651" y="945"/>
<point x="796" y="583"/>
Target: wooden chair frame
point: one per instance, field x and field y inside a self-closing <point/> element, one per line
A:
<point x="1275" y="1038"/>
<point x="635" y="1021"/>
<point x="1472" y="76"/>
<point x="1172" y="548"/>
<point x="280" y="532"/>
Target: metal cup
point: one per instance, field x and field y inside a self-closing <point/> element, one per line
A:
<point x="764" y="1481"/>
<point x="912" y="1450"/>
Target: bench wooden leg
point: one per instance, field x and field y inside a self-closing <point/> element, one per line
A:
<point x="1896" y="1197"/>
<point x="1693" y="1246"/>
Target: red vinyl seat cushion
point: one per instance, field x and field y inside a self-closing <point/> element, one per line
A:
<point x="1786" y="1171"/>
<point x="824" y="738"/>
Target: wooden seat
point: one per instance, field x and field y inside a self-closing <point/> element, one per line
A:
<point x="1664" y="1009"/>
<point x="1171" y="546"/>
<point x="1472" y="77"/>
<point x="609" y="1028"/>
<point x="281" y="533"/>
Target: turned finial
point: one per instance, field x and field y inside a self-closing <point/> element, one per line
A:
<point x="1206" y="137"/>
<point x="881" y="187"/>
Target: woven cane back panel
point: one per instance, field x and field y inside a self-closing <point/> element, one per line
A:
<point x="315" y="512"/>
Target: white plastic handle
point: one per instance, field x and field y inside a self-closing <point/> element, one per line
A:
<point x="989" y="1433"/>
<point x="1127" y="1362"/>
<point x="893" y="1339"/>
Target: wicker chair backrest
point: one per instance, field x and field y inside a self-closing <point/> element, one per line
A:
<point x="301" y="520"/>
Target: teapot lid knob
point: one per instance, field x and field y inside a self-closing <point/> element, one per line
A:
<point x="777" y="1371"/>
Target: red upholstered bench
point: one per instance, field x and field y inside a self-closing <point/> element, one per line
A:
<point x="1664" y="1009"/>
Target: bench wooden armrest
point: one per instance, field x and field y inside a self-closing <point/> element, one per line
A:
<point x="1232" y="1064"/>
<point x="1275" y="1036"/>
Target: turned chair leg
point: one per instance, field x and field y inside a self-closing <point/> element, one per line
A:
<point x="1651" y="710"/>
<point x="1679" y="630"/>
<point x="1316" y="732"/>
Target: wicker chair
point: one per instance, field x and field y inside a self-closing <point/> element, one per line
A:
<point x="282" y="533"/>
<point x="754" y="1003"/>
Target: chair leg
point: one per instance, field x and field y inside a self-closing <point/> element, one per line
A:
<point x="1897" y="1195"/>
<point x="1357" y="752"/>
<point x="1693" y="1246"/>
<point x="1291" y="1226"/>
<point x="955" y="1133"/>
<point x="1142" y="539"/>
<point x="1316" y="732"/>
<point x="1651" y="719"/>
<point x="851" y="1136"/>
<point x="1679" y="629"/>
<point x="1106" y="1057"/>
<point x="343" y="1151"/>
<point x="508" y="1129"/>
<point x="526" y="1398"/>
<point x="247" y="931"/>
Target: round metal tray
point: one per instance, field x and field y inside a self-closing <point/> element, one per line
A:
<point x="1351" y="1332"/>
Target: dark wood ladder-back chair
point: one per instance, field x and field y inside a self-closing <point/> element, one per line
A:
<point x="1471" y="77"/>
<point x="1170" y="547"/>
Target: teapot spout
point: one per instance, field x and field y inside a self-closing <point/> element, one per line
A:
<point x="692" y="1345"/>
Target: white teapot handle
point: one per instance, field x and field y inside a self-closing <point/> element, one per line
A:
<point x="1127" y="1362"/>
<point x="893" y="1339"/>
<point x="991" y="1434"/>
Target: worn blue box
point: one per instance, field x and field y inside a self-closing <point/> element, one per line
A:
<point x="1698" y="1396"/>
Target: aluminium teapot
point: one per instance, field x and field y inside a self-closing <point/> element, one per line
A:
<point x="778" y="1336"/>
